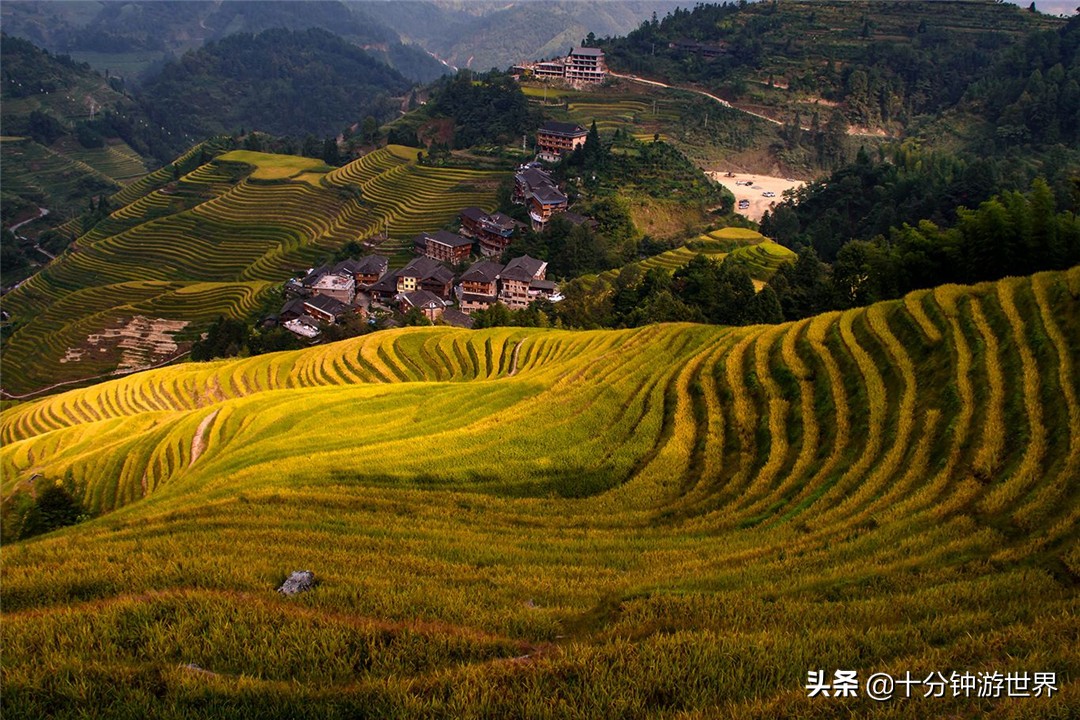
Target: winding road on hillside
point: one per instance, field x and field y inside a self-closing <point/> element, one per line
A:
<point x="42" y="212"/>
<point x="725" y="103"/>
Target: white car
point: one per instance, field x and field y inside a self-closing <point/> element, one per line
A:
<point x="768" y="193"/>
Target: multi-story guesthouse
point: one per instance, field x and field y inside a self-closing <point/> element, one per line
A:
<point x="368" y="269"/>
<point x="423" y="273"/>
<point x="340" y="286"/>
<point x="479" y="286"/>
<point x="325" y="308"/>
<point x="444" y="246"/>
<point x="493" y="231"/>
<point x="516" y="280"/>
<point x="548" y="69"/>
<point x="517" y="284"/>
<point x="536" y="189"/>
<point x="556" y="139"/>
<point x="583" y="66"/>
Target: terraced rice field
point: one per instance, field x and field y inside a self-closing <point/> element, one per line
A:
<point x="115" y="160"/>
<point x="240" y="223"/>
<point x="31" y="170"/>
<point x="760" y="256"/>
<point x="672" y="521"/>
<point x="640" y="113"/>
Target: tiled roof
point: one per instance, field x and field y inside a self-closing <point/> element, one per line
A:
<point x="445" y="237"/>
<point x="327" y="304"/>
<point x="483" y="271"/>
<point x="372" y="264"/>
<point x="522" y="268"/>
<point x="453" y="316"/>
<point x="422" y="299"/>
<point x="387" y="283"/>
<point x="561" y="128"/>
<point x="548" y="195"/>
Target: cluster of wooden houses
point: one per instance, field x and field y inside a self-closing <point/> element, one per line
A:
<point x="329" y="293"/>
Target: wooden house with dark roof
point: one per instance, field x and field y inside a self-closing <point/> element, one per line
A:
<point x="536" y="189"/>
<point x="493" y="231"/>
<point x="426" y="302"/>
<point x="325" y="308"/>
<point x="516" y="279"/>
<point x="556" y="139"/>
<point x="291" y="310"/>
<point x="478" y="288"/>
<point x="370" y="269"/>
<point x="385" y="288"/>
<point x="444" y="246"/>
<point x="425" y="273"/>
<point x="544" y="202"/>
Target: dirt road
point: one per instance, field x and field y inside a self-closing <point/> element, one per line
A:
<point x="852" y="129"/>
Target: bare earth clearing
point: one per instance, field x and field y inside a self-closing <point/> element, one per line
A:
<point x="142" y="341"/>
<point x="753" y="192"/>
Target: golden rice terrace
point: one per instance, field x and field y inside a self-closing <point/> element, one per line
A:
<point x="676" y="521"/>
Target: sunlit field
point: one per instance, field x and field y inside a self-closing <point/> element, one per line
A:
<point x="676" y="521"/>
<point x="226" y="231"/>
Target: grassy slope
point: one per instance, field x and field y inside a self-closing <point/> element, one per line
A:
<point x="232" y="227"/>
<point x="760" y="256"/>
<point x="61" y="177"/>
<point x="708" y="134"/>
<point x="672" y="520"/>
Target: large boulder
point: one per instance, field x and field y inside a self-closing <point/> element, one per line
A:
<point x="300" y="581"/>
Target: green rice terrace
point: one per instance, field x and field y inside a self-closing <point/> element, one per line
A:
<point x="760" y="256"/>
<point x="215" y="241"/>
<point x="61" y="181"/>
<point x="675" y="521"/>
<point x="703" y="130"/>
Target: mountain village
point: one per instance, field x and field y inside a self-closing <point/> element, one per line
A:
<point x="428" y="284"/>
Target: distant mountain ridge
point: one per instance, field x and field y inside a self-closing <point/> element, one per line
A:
<point x="283" y="82"/>
<point x="142" y="35"/>
<point x="486" y="34"/>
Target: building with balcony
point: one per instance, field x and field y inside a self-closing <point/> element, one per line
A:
<point x="556" y="139"/>
<point x="493" y="231"/>
<point x="444" y="246"/>
<point x="516" y="279"/>
<point x="585" y="66"/>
